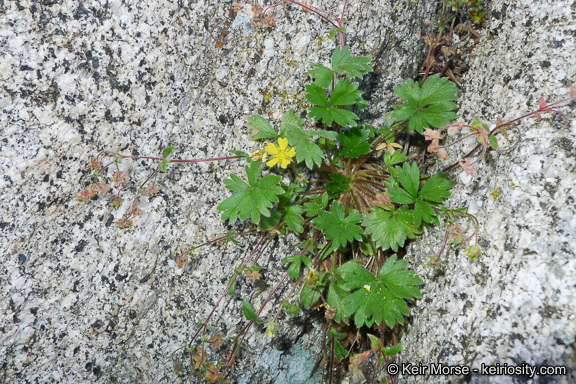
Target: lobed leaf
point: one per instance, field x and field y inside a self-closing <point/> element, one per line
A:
<point x="429" y="103"/>
<point x="391" y="229"/>
<point x="356" y="142"/>
<point x="254" y="198"/>
<point x="338" y="227"/>
<point x="354" y="67"/>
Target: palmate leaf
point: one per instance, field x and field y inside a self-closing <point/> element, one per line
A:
<point x="328" y="115"/>
<point x="345" y="93"/>
<point x="434" y="191"/>
<point x="303" y="140"/>
<point x="254" y="198"/>
<point x="436" y="188"/>
<point x="342" y="64"/>
<point x="317" y="205"/>
<point x="375" y="299"/>
<point x="390" y="229"/>
<point x="354" y="67"/>
<point x="338" y="227"/>
<point x="355" y="141"/>
<point x="429" y="103"/>
<point x="399" y="280"/>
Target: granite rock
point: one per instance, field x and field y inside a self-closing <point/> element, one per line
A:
<point x="83" y="300"/>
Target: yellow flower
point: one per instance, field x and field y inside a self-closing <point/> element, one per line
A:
<point x="282" y="154"/>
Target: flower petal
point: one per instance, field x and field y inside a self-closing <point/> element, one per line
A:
<point x="282" y="143"/>
<point x="271" y="148"/>
<point x="291" y="152"/>
<point x="272" y="162"/>
<point x="285" y="163"/>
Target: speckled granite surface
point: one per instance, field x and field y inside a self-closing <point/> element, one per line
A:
<point x="84" y="301"/>
<point x="516" y="304"/>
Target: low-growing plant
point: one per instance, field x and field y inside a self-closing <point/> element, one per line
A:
<point x="356" y="198"/>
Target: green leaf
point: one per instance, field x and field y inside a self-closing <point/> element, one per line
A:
<point x="309" y="295"/>
<point x="438" y="115"/>
<point x="354" y="276"/>
<point x="391" y="229"/>
<point x="325" y="134"/>
<point x="338" y="184"/>
<point x="429" y="103"/>
<point x="396" y="158"/>
<point x="423" y="212"/>
<point x="398" y="279"/>
<point x="240" y="153"/>
<point x="306" y="149"/>
<point x="163" y="166"/>
<point x="393" y="350"/>
<point x="297" y="261"/>
<point x="437" y="89"/>
<point x="334" y="31"/>
<point x="354" y="67"/>
<point x="356" y="142"/>
<point x="336" y="296"/>
<point x="167" y="151"/>
<point x="290" y="121"/>
<point x="436" y="188"/>
<point x="302" y="141"/>
<point x="270" y="222"/>
<point x="339" y="351"/>
<point x="371" y="300"/>
<point x="322" y="75"/>
<point x="248" y="311"/>
<point x="375" y="342"/>
<point x="337" y="335"/>
<point x="317" y="205"/>
<point x="254" y="198"/>
<point x="409" y="92"/>
<point x="345" y="93"/>
<point x="328" y="115"/>
<point x="232" y="288"/>
<point x="493" y="142"/>
<point x="369" y="307"/>
<point x="338" y="227"/>
<point x="266" y="131"/>
<point x="398" y="195"/>
<point x="294" y="219"/>
<point x="409" y="177"/>
<point x="316" y="95"/>
<point x="477" y="123"/>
